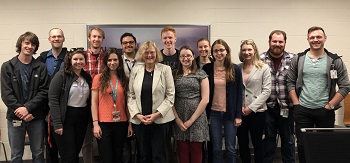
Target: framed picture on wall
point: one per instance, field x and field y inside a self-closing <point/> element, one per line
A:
<point x="186" y="34"/>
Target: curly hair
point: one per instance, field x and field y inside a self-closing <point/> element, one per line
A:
<point x="68" y="60"/>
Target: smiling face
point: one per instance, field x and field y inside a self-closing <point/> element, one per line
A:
<point x="95" y="39"/>
<point x="247" y="52"/>
<point x="150" y="55"/>
<point x="203" y="48"/>
<point x="78" y="61"/>
<point x="113" y="62"/>
<point x="168" y="39"/>
<point x="186" y="58"/>
<point x="27" y="48"/>
<point x="56" y="38"/>
<point x="128" y="45"/>
<point x="219" y="52"/>
<point x="316" y="39"/>
<point x="277" y="45"/>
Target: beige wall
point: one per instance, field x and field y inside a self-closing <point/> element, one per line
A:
<point x="231" y="20"/>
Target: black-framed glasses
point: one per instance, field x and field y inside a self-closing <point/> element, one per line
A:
<point x="75" y="49"/>
<point x="128" y="42"/>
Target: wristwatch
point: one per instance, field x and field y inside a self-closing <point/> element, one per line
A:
<point x="331" y="106"/>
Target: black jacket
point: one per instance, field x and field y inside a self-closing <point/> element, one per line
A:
<point x="11" y="88"/>
<point x="59" y="94"/>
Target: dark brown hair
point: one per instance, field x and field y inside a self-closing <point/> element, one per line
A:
<point x="106" y="76"/>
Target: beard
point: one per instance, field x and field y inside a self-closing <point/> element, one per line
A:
<point x="276" y="51"/>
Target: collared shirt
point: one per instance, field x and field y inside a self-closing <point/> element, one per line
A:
<point x="128" y="65"/>
<point x="51" y="63"/>
<point x="279" y="90"/>
<point x="94" y="63"/>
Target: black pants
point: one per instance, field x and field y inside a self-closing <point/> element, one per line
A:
<point x="74" y="128"/>
<point x="151" y="142"/>
<point x="111" y="144"/>
<point x="51" y="152"/>
<point x="310" y="118"/>
<point x="254" y="124"/>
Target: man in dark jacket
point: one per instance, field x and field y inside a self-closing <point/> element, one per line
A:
<point x="54" y="61"/>
<point x="24" y="87"/>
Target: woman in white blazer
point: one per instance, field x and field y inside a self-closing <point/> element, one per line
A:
<point x="257" y="89"/>
<point x="150" y="101"/>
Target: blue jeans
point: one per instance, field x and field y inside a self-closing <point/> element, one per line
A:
<point x="274" y="122"/>
<point x="217" y="120"/>
<point x="16" y="137"/>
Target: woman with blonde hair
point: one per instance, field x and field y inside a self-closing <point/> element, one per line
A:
<point x="150" y="101"/>
<point x="257" y="89"/>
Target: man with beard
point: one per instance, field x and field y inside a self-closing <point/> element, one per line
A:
<point x="129" y="44"/>
<point x="93" y="67"/>
<point x="170" y="54"/>
<point x="279" y="114"/>
<point x="312" y="80"/>
<point x="54" y="60"/>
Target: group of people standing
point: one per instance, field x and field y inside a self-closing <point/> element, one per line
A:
<point x="156" y="94"/>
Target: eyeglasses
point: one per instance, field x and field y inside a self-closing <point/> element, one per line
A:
<point x="75" y="49"/>
<point x="185" y="56"/>
<point x="54" y="37"/>
<point x="128" y="42"/>
<point x="219" y="50"/>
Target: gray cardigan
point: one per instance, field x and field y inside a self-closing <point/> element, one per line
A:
<point x="295" y="75"/>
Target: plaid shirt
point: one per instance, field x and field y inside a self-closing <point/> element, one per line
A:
<point x="94" y="64"/>
<point x="279" y="90"/>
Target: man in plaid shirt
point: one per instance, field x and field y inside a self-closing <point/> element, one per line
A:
<point x="279" y="114"/>
<point x="93" y="67"/>
<point x="95" y="52"/>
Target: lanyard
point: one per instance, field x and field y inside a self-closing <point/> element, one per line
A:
<point x="114" y="92"/>
<point x="127" y="64"/>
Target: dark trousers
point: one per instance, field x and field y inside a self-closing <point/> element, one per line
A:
<point x="127" y="151"/>
<point x="51" y="152"/>
<point x="310" y="118"/>
<point x="254" y="124"/>
<point x="275" y="122"/>
<point x="112" y="141"/>
<point x="74" y="129"/>
<point x="151" y="141"/>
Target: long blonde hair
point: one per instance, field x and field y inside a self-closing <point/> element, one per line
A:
<point x="256" y="58"/>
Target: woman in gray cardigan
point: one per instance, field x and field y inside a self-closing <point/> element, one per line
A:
<point x="257" y="89"/>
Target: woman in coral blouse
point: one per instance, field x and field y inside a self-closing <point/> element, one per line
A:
<point x="108" y="108"/>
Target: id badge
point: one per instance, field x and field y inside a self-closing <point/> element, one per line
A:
<point x="284" y="113"/>
<point x="17" y="123"/>
<point x="116" y="115"/>
<point x="334" y="74"/>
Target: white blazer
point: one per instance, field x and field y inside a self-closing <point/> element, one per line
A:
<point x="163" y="93"/>
<point x="258" y="88"/>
